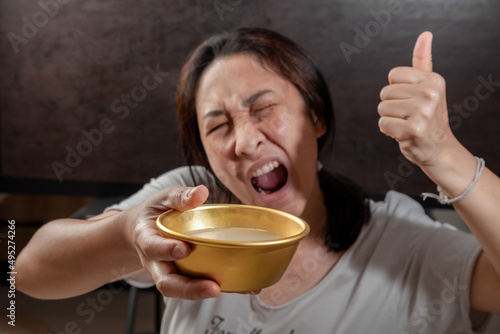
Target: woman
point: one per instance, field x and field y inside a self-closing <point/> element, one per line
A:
<point x="254" y="111"/>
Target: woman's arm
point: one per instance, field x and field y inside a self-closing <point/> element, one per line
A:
<point x="69" y="257"/>
<point x="453" y="171"/>
<point x="413" y="111"/>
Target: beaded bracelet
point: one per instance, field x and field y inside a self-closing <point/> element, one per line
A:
<point x="444" y="199"/>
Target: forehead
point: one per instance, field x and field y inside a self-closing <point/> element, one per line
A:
<point x="235" y="77"/>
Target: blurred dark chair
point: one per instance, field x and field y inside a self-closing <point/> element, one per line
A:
<point x="132" y="308"/>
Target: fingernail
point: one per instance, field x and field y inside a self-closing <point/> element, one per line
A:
<point x="179" y="252"/>
<point x="190" y="191"/>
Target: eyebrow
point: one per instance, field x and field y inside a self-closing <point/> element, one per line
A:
<point x="252" y="99"/>
<point x="247" y="102"/>
<point x="214" y="113"/>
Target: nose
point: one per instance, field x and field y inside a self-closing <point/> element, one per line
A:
<point x="248" y="139"/>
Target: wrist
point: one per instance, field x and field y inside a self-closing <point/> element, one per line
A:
<point x="453" y="169"/>
<point x="126" y="224"/>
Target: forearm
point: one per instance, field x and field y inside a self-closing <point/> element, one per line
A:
<point x="480" y="209"/>
<point x="69" y="257"/>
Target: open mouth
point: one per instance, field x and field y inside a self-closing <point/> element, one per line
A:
<point x="270" y="178"/>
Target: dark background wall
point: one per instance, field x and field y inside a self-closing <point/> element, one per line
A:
<point x="66" y="65"/>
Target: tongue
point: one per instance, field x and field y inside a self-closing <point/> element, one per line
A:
<point x="271" y="181"/>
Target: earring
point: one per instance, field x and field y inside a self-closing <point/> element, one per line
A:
<point x="319" y="166"/>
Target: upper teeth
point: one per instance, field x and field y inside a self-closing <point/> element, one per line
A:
<point x="270" y="166"/>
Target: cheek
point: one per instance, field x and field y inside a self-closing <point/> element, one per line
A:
<point x="222" y="167"/>
<point x="224" y="177"/>
<point x="304" y="149"/>
<point x="214" y="155"/>
<point x="293" y="131"/>
<point x="279" y="125"/>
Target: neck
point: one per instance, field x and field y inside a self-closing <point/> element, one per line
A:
<point x="315" y="213"/>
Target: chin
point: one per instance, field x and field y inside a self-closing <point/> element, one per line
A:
<point x="282" y="200"/>
<point x="293" y="208"/>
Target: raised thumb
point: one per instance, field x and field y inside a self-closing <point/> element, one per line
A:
<point x="422" y="52"/>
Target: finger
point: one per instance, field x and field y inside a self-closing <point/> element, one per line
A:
<point x="405" y="75"/>
<point x="394" y="108"/>
<point x="422" y="52"/>
<point x="399" y="91"/>
<point x="171" y="284"/>
<point x="394" y="127"/>
<point x="165" y="249"/>
<point x="180" y="198"/>
<point x="155" y="246"/>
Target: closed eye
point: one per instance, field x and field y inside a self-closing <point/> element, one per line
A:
<point x="264" y="108"/>
<point x="217" y="127"/>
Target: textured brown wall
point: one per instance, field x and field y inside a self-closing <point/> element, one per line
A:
<point x="85" y="54"/>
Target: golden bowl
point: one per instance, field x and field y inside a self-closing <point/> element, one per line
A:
<point x="241" y="247"/>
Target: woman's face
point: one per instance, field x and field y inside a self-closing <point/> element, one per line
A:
<point x="258" y="135"/>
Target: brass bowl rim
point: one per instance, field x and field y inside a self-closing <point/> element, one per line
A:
<point x="286" y="241"/>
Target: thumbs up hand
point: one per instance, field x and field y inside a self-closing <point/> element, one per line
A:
<point x="413" y="109"/>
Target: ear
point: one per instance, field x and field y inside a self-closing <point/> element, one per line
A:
<point x="320" y="127"/>
<point x="318" y="124"/>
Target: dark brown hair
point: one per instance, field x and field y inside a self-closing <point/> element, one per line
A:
<point x="349" y="211"/>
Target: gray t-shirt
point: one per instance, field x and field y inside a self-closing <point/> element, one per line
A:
<point x="404" y="274"/>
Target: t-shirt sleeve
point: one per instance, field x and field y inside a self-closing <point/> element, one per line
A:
<point x="182" y="176"/>
<point x="438" y="265"/>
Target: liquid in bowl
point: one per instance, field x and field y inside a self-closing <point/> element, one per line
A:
<point x="235" y="234"/>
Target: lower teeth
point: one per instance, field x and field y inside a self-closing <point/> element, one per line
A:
<point x="262" y="191"/>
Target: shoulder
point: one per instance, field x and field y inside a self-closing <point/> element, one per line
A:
<point x="396" y="203"/>
<point x="184" y="176"/>
<point x="192" y="176"/>
<point x="403" y="211"/>
<point x="181" y="176"/>
<point x="400" y="221"/>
